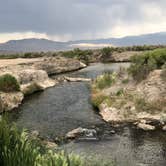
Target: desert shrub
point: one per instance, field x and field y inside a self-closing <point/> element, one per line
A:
<point x="106" y="53"/>
<point x="148" y="61"/>
<point x="82" y="55"/>
<point x="8" y="83"/>
<point x="99" y="98"/>
<point x="105" y="80"/>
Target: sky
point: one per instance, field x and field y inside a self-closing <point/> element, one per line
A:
<point x="63" y="20"/>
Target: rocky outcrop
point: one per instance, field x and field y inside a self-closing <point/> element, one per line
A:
<point x="123" y="57"/>
<point x="133" y="102"/>
<point x="9" y="101"/>
<point x="32" y="75"/>
<point x="58" y="65"/>
<point x="153" y="88"/>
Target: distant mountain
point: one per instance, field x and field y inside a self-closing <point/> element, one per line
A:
<point x="33" y="44"/>
<point x="49" y="45"/>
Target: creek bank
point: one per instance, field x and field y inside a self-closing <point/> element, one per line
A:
<point x="33" y="76"/>
<point x="127" y="101"/>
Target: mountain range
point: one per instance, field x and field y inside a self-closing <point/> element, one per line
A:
<point x="33" y="44"/>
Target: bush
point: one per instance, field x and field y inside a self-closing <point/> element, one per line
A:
<point x="105" y="80"/>
<point x="8" y="83"/>
<point x="142" y="65"/>
<point x="97" y="99"/>
<point x="106" y="53"/>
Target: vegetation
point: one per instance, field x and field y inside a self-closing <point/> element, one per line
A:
<point x="8" y="83"/>
<point x="19" y="149"/>
<point x="148" y="61"/>
<point x="106" y="53"/>
<point x="105" y="80"/>
<point x="82" y="55"/>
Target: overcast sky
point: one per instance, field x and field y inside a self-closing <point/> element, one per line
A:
<point x="80" y="19"/>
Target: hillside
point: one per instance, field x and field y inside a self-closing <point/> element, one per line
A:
<point x="33" y="44"/>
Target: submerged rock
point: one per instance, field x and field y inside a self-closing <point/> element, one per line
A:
<point x="81" y="132"/>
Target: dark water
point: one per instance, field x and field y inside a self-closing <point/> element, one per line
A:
<point x="60" y="109"/>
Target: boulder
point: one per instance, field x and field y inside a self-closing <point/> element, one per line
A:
<point x="81" y="132"/>
<point x="145" y="127"/>
<point x="9" y="101"/>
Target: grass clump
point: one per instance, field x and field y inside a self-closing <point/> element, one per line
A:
<point x="8" y="83"/>
<point x="99" y="98"/>
<point x="142" y="65"/>
<point x="105" y="80"/>
<point x="18" y="149"/>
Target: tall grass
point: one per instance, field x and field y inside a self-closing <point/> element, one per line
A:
<point x="17" y="148"/>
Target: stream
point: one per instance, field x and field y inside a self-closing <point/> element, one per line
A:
<point x="67" y="106"/>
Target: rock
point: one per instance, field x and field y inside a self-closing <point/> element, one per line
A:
<point x="145" y="127"/>
<point x="50" y="145"/>
<point x="74" y="133"/>
<point x="56" y="65"/>
<point x="9" y="101"/>
<point x="164" y="128"/>
<point x="35" y="134"/>
<point x="110" y="114"/>
<point x="81" y="132"/>
<point x="77" y="79"/>
<point x="153" y="88"/>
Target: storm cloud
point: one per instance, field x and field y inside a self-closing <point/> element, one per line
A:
<point x="79" y="19"/>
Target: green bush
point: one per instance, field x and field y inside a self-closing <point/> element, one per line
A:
<point x="149" y="61"/>
<point x="106" y="53"/>
<point x="105" y="80"/>
<point x="8" y="83"/>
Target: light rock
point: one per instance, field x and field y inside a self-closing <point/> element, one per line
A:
<point x="9" y="101"/>
<point x="164" y="128"/>
<point x="77" y="79"/>
<point x="81" y="132"/>
<point x="58" y="65"/>
<point x="50" y="145"/>
<point x="153" y="88"/>
<point x="145" y="127"/>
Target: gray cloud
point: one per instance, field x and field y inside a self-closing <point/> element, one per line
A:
<point x="73" y="17"/>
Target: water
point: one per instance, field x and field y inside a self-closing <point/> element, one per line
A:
<point x="60" y="109"/>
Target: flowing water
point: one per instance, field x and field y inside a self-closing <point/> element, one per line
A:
<point x="67" y="106"/>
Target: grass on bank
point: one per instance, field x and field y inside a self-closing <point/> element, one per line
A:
<point x="105" y="80"/>
<point x="8" y="83"/>
<point x="142" y="65"/>
<point x="17" y="148"/>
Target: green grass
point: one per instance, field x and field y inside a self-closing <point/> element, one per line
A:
<point x="17" y="148"/>
<point x="105" y="80"/>
<point x="142" y="65"/>
<point x="8" y="83"/>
